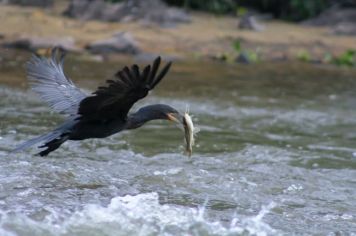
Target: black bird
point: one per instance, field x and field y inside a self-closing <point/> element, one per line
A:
<point x="101" y="114"/>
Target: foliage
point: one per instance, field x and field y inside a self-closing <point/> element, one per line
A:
<point x="245" y="55"/>
<point x="215" y="6"/>
<point x="348" y="58"/>
<point x="294" y="10"/>
<point x="304" y="56"/>
<point x="299" y="10"/>
<point x="236" y="44"/>
<point x="345" y="59"/>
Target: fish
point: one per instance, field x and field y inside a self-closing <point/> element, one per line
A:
<point x="189" y="133"/>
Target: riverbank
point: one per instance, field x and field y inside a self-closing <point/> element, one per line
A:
<point x="207" y="36"/>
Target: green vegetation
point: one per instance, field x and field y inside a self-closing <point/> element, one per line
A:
<point x="294" y="10"/>
<point x="304" y="56"/>
<point x="345" y="59"/>
<point x="240" y="55"/>
<point x="215" y="6"/>
<point x="245" y="55"/>
<point x="348" y="58"/>
<point x="236" y="45"/>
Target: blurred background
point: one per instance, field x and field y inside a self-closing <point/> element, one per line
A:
<point x="315" y="31"/>
<point x="270" y="83"/>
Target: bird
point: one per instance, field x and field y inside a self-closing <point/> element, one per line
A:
<point x="103" y="113"/>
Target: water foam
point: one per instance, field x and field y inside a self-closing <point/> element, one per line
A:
<point x="133" y="215"/>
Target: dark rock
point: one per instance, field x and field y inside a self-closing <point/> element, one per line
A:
<point x="243" y="58"/>
<point x="119" y="43"/>
<point x="333" y="17"/>
<point x="149" y="11"/>
<point x="249" y="22"/>
<point x="33" y="3"/>
<point x="35" y="43"/>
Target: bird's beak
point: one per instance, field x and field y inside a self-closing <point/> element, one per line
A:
<point x="176" y="117"/>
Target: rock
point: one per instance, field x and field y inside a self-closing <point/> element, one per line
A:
<point x="35" y="43"/>
<point x="90" y="10"/>
<point x="345" y="29"/>
<point x="148" y="11"/>
<point x="249" y="22"/>
<point x="243" y="58"/>
<point x="120" y="43"/>
<point x="333" y="17"/>
<point x="170" y="18"/>
<point x="33" y="3"/>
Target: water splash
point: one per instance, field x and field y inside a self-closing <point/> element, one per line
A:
<point x="133" y="215"/>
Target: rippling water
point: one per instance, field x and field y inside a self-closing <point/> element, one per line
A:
<point x="275" y="155"/>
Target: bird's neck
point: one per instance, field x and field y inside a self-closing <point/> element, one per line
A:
<point x="139" y="118"/>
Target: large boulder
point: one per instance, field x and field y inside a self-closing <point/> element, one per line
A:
<point x="333" y="17"/>
<point x="149" y="11"/>
<point x="249" y="22"/>
<point x="120" y="43"/>
<point x="342" y="21"/>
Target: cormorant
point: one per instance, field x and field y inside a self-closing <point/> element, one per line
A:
<point x="101" y="114"/>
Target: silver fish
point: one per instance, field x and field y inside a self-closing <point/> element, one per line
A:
<point x="189" y="132"/>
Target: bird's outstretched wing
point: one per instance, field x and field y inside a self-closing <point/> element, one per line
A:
<point x="116" y="99"/>
<point x="47" y="78"/>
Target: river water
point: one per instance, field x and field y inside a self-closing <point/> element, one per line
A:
<point x="275" y="155"/>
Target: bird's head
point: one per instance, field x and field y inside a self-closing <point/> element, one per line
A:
<point x="155" y="112"/>
<point x="165" y="112"/>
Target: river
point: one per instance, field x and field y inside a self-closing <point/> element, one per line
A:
<point x="275" y="155"/>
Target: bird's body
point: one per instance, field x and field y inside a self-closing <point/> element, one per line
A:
<point x="105" y="112"/>
<point x="80" y="130"/>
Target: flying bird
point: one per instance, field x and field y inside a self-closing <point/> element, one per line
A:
<point x="101" y="114"/>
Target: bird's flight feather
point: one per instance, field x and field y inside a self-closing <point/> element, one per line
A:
<point x="116" y="99"/>
<point x="47" y="78"/>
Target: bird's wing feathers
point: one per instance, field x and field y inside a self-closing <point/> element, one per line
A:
<point x="47" y="78"/>
<point x="116" y="99"/>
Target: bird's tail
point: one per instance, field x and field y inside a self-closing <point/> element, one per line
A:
<point x="43" y="138"/>
<point x="51" y="140"/>
<point x="53" y="144"/>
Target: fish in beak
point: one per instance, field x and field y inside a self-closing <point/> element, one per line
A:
<point x="189" y="130"/>
<point x="189" y="133"/>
